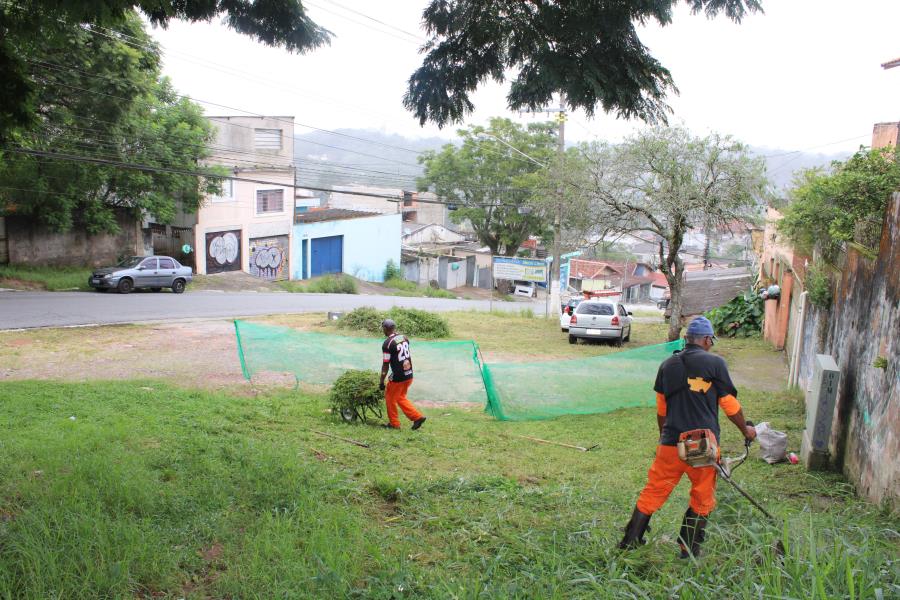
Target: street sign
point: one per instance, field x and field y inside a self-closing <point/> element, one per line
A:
<point x="520" y="269"/>
<point x="571" y="254"/>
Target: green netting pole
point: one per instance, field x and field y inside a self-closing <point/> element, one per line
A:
<point x="240" y="349"/>
<point x="493" y="406"/>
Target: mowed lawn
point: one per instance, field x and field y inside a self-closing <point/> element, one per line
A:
<point x="134" y="489"/>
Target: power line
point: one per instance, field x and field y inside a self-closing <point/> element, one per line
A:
<point x="402" y="39"/>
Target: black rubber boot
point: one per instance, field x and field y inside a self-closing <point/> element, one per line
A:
<point x="692" y="534"/>
<point x="634" y="531"/>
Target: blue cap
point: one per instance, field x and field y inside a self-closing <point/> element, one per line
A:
<point x="700" y="327"/>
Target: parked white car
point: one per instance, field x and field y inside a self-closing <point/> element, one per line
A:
<point x="566" y="313"/>
<point x="600" y="320"/>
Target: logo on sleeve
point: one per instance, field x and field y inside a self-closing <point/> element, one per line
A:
<point x="698" y="384"/>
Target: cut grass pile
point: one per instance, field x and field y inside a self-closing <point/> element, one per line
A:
<point x="329" y="284"/>
<point x="154" y="491"/>
<point x="402" y="287"/>
<point x="50" y="278"/>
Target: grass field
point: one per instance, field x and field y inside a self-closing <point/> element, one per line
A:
<point x="46" y="278"/>
<point x="138" y="490"/>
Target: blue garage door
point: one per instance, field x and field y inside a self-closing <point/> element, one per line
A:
<point x="327" y="255"/>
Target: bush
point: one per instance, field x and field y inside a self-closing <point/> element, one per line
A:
<point x="410" y="321"/>
<point x="411" y="289"/>
<point x="392" y="271"/>
<point x="330" y="284"/>
<point x="355" y="389"/>
<point x="742" y="317"/>
<point x="818" y="285"/>
<point x="400" y="284"/>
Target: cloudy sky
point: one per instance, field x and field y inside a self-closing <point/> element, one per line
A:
<point x="804" y="76"/>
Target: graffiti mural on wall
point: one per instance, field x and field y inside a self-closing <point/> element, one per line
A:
<point x="269" y="257"/>
<point x="223" y="251"/>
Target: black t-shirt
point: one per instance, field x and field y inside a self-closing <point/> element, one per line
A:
<point x="692" y="381"/>
<point x="395" y="351"/>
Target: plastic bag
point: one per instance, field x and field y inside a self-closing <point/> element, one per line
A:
<point x="772" y="444"/>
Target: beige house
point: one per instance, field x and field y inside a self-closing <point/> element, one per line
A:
<point x="248" y="226"/>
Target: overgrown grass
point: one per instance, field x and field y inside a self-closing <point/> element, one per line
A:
<point x="159" y="491"/>
<point x="329" y="284"/>
<point x="49" y="278"/>
<point x="409" y="321"/>
<point x="402" y="287"/>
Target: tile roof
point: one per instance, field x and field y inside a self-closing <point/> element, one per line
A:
<point x="332" y="214"/>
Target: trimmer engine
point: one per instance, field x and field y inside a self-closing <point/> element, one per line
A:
<point x="698" y="448"/>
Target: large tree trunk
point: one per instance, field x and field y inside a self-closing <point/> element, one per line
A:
<point x="676" y="288"/>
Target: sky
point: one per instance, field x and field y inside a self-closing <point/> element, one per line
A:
<point x="806" y="75"/>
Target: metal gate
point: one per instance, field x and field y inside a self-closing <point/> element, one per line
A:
<point x="327" y="255"/>
<point x="4" y="244"/>
<point x="172" y="243"/>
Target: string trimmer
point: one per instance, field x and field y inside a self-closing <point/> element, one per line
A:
<point x="699" y="448"/>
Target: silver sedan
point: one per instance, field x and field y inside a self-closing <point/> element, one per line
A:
<point x="153" y="272"/>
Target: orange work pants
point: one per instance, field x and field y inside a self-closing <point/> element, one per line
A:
<point x="394" y="394"/>
<point x="664" y="475"/>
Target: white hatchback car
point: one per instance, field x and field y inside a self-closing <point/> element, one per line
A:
<point x="568" y="309"/>
<point x="600" y="320"/>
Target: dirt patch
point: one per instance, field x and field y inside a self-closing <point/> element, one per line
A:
<point x="20" y="284"/>
<point x="233" y="281"/>
<point x="212" y="553"/>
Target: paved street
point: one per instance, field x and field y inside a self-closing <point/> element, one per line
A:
<point x="53" y="309"/>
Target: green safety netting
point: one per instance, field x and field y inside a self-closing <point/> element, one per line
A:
<point x="599" y="384"/>
<point x="452" y="372"/>
<point x="445" y="372"/>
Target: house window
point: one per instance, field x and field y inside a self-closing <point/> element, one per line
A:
<point x="269" y="201"/>
<point x="267" y="139"/>
<point x="227" y="193"/>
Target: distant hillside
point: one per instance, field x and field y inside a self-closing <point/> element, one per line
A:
<point x="389" y="160"/>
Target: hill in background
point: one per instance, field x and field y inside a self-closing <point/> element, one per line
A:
<point x="375" y="158"/>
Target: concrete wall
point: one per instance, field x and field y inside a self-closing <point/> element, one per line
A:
<point x="369" y="243"/>
<point x="861" y="326"/>
<point x="31" y="244"/>
<point x="235" y="142"/>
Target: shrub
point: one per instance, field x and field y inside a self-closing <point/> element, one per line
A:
<point x="818" y="285"/>
<point x="410" y="321"/>
<point x="431" y="292"/>
<point x="392" y="271"/>
<point x="364" y="318"/>
<point x="741" y="317"/>
<point x="355" y="389"/>
<point x="419" y="323"/>
<point x="400" y="284"/>
<point x="330" y="284"/>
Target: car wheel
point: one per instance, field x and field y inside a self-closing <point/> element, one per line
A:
<point x="178" y="286"/>
<point x="618" y="341"/>
<point x="156" y="289"/>
<point x="573" y="339"/>
<point x="125" y="286"/>
<point x="628" y="337"/>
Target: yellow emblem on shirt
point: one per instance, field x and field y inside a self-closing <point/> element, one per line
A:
<point x="698" y="384"/>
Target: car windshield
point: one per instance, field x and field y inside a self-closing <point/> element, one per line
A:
<point x="131" y="262"/>
<point x="593" y="308"/>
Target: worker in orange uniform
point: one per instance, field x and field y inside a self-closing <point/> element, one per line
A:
<point x="397" y="359"/>
<point x="690" y="387"/>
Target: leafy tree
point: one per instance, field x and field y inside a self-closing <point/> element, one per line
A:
<point x="273" y="22"/>
<point x="493" y="181"/>
<point x="588" y="50"/>
<point x="665" y="182"/>
<point x="102" y="100"/>
<point x="847" y="204"/>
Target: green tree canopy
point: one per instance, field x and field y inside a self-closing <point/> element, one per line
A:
<point x="273" y="22"/>
<point x="101" y="101"/>
<point x="664" y="182"/>
<point x="846" y="204"/>
<point x="588" y="50"/>
<point x="493" y="182"/>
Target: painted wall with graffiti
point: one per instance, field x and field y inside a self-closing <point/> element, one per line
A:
<point x="223" y="251"/>
<point x="269" y="257"/>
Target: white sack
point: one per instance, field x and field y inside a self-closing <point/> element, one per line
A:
<point x="772" y="444"/>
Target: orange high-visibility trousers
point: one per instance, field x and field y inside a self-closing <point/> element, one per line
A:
<point x="664" y="475"/>
<point x="394" y="394"/>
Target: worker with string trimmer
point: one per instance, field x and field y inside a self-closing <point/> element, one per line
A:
<point x="690" y="387"/>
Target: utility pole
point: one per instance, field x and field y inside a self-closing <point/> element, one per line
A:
<point x="555" y="285"/>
